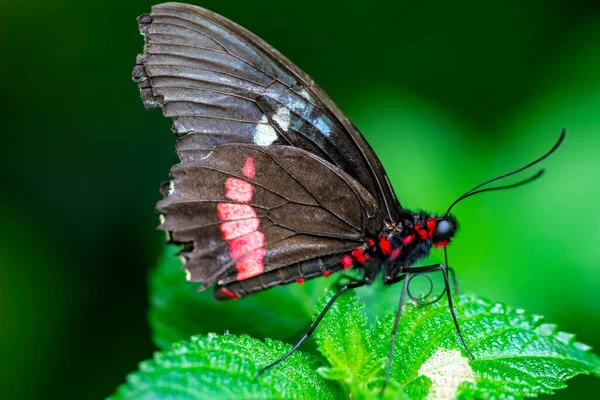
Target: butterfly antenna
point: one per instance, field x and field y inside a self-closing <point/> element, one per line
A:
<point x="475" y="190"/>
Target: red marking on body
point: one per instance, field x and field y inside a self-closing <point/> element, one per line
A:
<point x="326" y="273"/>
<point x="443" y="243"/>
<point x="229" y="293"/>
<point x="229" y="211"/>
<point x="235" y="229"/>
<point x="300" y="280"/>
<point x="248" y="168"/>
<point x="385" y="245"/>
<point x="346" y="261"/>
<point x="422" y="234"/>
<point x="370" y="242"/>
<point x="395" y="254"/>
<point x="431" y="227"/>
<point x="238" y="190"/>
<point x="359" y="255"/>
<point x="406" y="241"/>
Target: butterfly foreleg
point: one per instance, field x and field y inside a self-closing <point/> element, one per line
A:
<point x="406" y="276"/>
<point x="314" y="324"/>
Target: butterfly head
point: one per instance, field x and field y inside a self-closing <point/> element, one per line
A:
<point x="444" y="229"/>
<point x="425" y="229"/>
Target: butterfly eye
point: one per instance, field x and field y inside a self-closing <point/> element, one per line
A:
<point x="443" y="231"/>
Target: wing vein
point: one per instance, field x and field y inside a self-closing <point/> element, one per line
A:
<point x="305" y="188"/>
<point x="155" y="64"/>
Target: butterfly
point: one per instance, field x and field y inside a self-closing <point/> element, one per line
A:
<point x="275" y="184"/>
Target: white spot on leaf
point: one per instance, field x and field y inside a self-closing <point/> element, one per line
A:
<point x="264" y="134"/>
<point x="282" y="117"/>
<point x="447" y="369"/>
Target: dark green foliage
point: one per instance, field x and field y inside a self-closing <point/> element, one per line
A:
<point x="179" y="311"/>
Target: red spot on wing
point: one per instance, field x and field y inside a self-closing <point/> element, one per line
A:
<point x="385" y="245"/>
<point x="443" y="243"/>
<point x="299" y="280"/>
<point x="395" y="254"/>
<point x="422" y="234"/>
<point x="326" y="273"/>
<point x="251" y="264"/>
<point x="431" y="227"/>
<point x="229" y="211"/>
<point x="248" y="168"/>
<point x="238" y="190"/>
<point x="235" y="229"/>
<point x="240" y="226"/>
<point x="346" y="261"/>
<point x="245" y="244"/>
<point x="229" y="293"/>
<point x="406" y="241"/>
<point x="370" y="242"/>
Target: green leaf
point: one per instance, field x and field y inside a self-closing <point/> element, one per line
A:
<point x="178" y="310"/>
<point x="343" y="338"/>
<point x="516" y="354"/>
<point x="224" y="367"/>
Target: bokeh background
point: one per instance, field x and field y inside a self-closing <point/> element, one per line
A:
<point x="448" y="94"/>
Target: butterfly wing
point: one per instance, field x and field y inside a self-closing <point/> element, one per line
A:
<point x="249" y="211"/>
<point x="222" y="84"/>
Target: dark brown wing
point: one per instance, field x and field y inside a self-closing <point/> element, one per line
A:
<point x="248" y="210"/>
<point x="222" y="84"/>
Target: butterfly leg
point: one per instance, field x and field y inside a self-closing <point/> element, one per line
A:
<point x="390" y="281"/>
<point x="452" y="275"/>
<point x="406" y="277"/>
<point x="346" y="280"/>
<point x="448" y="274"/>
<point x="453" y="313"/>
<point x="314" y="325"/>
<point x="425" y="269"/>
<point x="387" y="280"/>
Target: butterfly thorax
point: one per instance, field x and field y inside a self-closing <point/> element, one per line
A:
<point x="401" y="244"/>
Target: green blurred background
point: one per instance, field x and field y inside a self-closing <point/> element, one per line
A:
<point x="448" y="94"/>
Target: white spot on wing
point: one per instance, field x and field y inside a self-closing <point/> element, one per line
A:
<point x="206" y="156"/>
<point x="188" y="275"/>
<point x="161" y="218"/>
<point x="323" y="124"/>
<point x="264" y="134"/>
<point x="171" y="188"/>
<point x="305" y="110"/>
<point x="305" y="94"/>
<point x="282" y="117"/>
<point x="300" y="107"/>
<point x="447" y="369"/>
